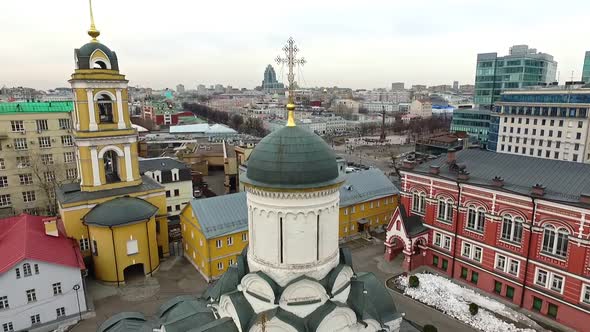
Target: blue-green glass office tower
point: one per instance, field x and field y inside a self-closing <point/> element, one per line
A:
<point x="522" y="67"/>
<point x="586" y="68"/>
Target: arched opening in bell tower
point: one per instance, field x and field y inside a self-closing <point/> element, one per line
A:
<point x="105" y="108"/>
<point x="99" y="64"/>
<point x="111" y="167"/>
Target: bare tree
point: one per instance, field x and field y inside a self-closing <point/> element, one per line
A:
<point x="50" y="172"/>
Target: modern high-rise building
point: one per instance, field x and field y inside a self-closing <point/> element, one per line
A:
<point x="474" y="122"/>
<point x="586" y="68"/>
<point x="543" y="122"/>
<point x="455" y="85"/>
<point x="180" y="88"/>
<point x="270" y="82"/>
<point x="522" y="67"/>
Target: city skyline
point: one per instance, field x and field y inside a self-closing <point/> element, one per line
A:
<point x="348" y="46"/>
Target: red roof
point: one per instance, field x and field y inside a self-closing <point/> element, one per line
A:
<point x="23" y="237"/>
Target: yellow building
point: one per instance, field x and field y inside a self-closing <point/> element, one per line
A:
<point x="118" y="216"/>
<point x="215" y="230"/>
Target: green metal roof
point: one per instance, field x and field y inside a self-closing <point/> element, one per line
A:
<point x="36" y="107"/>
<point x="125" y="322"/>
<point x="292" y="158"/>
<point x="120" y="211"/>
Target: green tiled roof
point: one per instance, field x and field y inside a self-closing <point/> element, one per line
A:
<point x="125" y="322"/>
<point x="292" y="158"/>
<point x="33" y="107"/>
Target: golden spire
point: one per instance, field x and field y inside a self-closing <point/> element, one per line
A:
<point x="92" y="32"/>
<point x="290" y="51"/>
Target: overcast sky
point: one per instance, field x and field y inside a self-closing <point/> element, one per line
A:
<point x="357" y="44"/>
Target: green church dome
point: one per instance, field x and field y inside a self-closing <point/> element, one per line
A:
<point x="292" y="158"/>
<point x="84" y="53"/>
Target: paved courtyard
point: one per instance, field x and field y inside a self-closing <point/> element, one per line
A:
<point x="178" y="277"/>
<point x="175" y="277"/>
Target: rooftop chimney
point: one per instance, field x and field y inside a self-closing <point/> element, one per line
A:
<point x="538" y="190"/>
<point x="434" y="169"/>
<point x="585" y="198"/>
<point x="51" y="226"/>
<point x="408" y="164"/>
<point x="463" y="175"/>
<point x="498" y="181"/>
<point x="451" y="156"/>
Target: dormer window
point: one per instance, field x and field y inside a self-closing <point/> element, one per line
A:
<point x="105" y="108"/>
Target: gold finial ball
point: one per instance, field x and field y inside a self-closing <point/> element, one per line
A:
<point x="290" y="107"/>
<point x="93" y="33"/>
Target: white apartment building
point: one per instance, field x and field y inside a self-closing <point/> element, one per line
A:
<point x="549" y="123"/>
<point x="176" y="178"/>
<point x="379" y="106"/>
<point x="41" y="284"/>
<point x="421" y="108"/>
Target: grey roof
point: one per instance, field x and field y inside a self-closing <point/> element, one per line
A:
<point x="228" y="214"/>
<point x="412" y="224"/>
<point x="120" y="211"/>
<point x="221" y="214"/>
<point x="71" y="193"/>
<point x="160" y="164"/>
<point x="365" y="185"/>
<point x="563" y="180"/>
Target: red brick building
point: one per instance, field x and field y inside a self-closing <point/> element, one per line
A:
<point x="511" y="225"/>
<point x="163" y="113"/>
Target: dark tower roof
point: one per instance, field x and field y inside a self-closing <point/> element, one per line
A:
<point x="83" y="55"/>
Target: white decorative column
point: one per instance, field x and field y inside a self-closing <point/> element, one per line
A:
<point x="121" y="122"/>
<point x="91" y="112"/>
<point x="95" y="166"/>
<point x="79" y="166"/>
<point x="128" y="169"/>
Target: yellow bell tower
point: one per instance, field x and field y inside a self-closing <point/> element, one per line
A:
<point x="106" y="143"/>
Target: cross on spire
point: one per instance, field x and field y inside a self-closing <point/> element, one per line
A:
<point x="291" y="61"/>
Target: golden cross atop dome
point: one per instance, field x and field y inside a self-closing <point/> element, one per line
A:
<point x="290" y="60"/>
<point x="92" y="32"/>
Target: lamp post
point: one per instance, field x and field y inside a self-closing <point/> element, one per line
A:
<point x="76" y="288"/>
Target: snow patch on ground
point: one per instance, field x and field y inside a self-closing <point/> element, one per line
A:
<point x="453" y="300"/>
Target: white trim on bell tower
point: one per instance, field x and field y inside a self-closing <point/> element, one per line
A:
<point x="128" y="169"/>
<point x="95" y="166"/>
<point x="92" y="126"/>
<point x="121" y="122"/>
